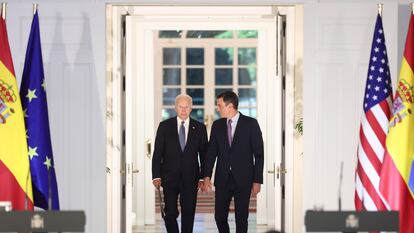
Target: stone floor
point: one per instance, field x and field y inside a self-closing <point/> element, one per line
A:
<point x="204" y="223"/>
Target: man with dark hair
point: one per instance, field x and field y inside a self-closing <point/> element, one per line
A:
<point x="180" y="144"/>
<point x="236" y="142"/>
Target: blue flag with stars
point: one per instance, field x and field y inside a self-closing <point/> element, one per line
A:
<point x="33" y="96"/>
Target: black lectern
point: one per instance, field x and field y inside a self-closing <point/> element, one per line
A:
<point x="351" y="221"/>
<point x="42" y="221"/>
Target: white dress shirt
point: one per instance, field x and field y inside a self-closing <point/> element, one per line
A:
<point x="234" y="121"/>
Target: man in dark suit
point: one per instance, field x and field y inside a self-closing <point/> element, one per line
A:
<point x="236" y="142"/>
<point x="180" y="146"/>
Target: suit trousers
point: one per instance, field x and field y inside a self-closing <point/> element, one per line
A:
<point x="188" y="198"/>
<point x="241" y="203"/>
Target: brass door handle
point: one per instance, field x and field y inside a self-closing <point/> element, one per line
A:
<point x="148" y="147"/>
<point x="280" y="171"/>
<point x="208" y="120"/>
<point x="273" y="172"/>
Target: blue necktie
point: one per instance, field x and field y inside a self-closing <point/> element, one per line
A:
<point x="181" y="136"/>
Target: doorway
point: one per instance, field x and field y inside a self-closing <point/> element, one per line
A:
<point x="253" y="67"/>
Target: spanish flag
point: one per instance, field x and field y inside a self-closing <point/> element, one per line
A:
<point x="15" y="179"/>
<point x="397" y="169"/>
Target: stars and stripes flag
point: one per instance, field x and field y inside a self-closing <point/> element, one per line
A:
<point x="374" y="126"/>
<point x="33" y="94"/>
<point x="15" y="180"/>
<point x="397" y="174"/>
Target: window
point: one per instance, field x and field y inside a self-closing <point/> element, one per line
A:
<point x="205" y="63"/>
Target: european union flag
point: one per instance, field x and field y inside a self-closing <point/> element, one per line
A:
<point x="33" y="96"/>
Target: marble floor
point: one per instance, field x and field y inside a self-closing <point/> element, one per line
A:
<point x="204" y="223"/>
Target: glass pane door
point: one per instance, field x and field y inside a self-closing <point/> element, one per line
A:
<point x="203" y="64"/>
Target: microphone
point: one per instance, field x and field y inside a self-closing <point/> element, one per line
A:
<point x="49" y="189"/>
<point x="340" y="186"/>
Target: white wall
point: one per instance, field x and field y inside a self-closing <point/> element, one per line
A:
<point x="337" y="41"/>
<point x="73" y="42"/>
<point x="337" y="48"/>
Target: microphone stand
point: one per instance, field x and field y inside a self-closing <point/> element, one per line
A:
<point x="340" y="190"/>
<point x="49" y="182"/>
<point x="340" y="187"/>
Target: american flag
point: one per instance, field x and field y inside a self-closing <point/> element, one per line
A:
<point x="374" y="126"/>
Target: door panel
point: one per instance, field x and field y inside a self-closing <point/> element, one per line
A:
<point x="143" y="113"/>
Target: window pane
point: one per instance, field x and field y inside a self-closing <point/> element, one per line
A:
<point x="247" y="97"/>
<point x="171" y="76"/>
<point x="170" y="34"/>
<point x="210" y="34"/>
<point x="224" y="56"/>
<point x="169" y="95"/>
<point x="171" y="56"/>
<point x="195" y="76"/>
<point x="168" y="113"/>
<point x="251" y="112"/>
<point x="247" y="56"/>
<point x="247" y="76"/>
<point x="197" y="94"/>
<point x="247" y="34"/>
<point x="195" y="56"/>
<point x="198" y="114"/>
<point x="224" y="76"/>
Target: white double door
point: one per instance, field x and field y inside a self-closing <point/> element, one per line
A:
<point x="140" y="107"/>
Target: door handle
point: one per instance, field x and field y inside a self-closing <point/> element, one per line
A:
<point x="280" y="171"/>
<point x="273" y="172"/>
<point x="148" y="148"/>
<point x="208" y="120"/>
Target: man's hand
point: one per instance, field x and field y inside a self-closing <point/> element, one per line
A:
<point x="200" y="184"/>
<point x="255" y="189"/>
<point x="207" y="184"/>
<point x="157" y="183"/>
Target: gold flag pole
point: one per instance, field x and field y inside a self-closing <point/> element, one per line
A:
<point x="3" y="10"/>
<point x="35" y="5"/>
<point x="380" y="9"/>
<point x="412" y="8"/>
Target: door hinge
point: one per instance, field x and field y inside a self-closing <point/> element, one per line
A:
<point x="123" y="27"/>
<point x="123" y="137"/>
<point x="123" y="82"/>
<point x="123" y="191"/>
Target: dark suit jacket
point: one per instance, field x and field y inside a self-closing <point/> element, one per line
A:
<point x="245" y="156"/>
<point x="170" y="163"/>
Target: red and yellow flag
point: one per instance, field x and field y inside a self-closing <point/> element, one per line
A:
<point x="397" y="169"/>
<point x="15" y="179"/>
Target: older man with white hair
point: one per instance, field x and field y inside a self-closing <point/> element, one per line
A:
<point x="180" y="147"/>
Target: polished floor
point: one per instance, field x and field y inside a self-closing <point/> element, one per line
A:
<point x="204" y="223"/>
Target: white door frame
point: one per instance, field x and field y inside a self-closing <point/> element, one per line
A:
<point x="114" y="91"/>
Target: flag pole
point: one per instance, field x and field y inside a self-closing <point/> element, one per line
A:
<point x="412" y="8"/>
<point x="3" y="10"/>
<point x="35" y="5"/>
<point x="380" y="9"/>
